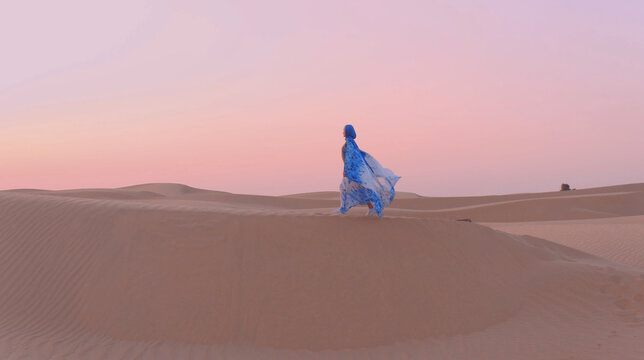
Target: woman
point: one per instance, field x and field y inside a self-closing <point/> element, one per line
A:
<point x="365" y="181"/>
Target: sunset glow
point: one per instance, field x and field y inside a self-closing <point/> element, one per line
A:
<point x="252" y="96"/>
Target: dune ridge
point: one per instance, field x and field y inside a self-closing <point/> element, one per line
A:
<point x="165" y="271"/>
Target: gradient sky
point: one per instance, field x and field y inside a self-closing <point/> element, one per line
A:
<point x="457" y="97"/>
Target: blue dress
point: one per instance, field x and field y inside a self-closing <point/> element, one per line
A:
<point x="365" y="180"/>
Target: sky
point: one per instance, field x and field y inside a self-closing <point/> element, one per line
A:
<point x="457" y="97"/>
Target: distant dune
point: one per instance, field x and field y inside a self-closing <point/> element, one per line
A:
<point x="166" y="189"/>
<point x="168" y="271"/>
<point x="335" y="195"/>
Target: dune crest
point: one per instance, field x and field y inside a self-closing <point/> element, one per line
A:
<point x="166" y="189"/>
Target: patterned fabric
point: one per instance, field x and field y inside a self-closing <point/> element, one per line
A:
<point x="365" y="180"/>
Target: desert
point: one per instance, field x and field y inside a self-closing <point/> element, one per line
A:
<point x="169" y="271"/>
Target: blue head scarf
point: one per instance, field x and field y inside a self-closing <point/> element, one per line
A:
<point x="349" y="131"/>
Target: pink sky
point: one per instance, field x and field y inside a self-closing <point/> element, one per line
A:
<point x="474" y="98"/>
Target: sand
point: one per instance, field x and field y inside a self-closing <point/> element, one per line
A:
<point x="168" y="271"/>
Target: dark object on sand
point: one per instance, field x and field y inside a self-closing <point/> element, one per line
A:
<point x="466" y="220"/>
<point x="565" y="187"/>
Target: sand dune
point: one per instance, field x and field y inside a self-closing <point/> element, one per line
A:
<point x="619" y="239"/>
<point x="166" y="271"/>
<point x="168" y="189"/>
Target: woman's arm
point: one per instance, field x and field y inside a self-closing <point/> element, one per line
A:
<point x="344" y="149"/>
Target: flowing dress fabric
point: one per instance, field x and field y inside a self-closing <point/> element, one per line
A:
<point x="365" y="180"/>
